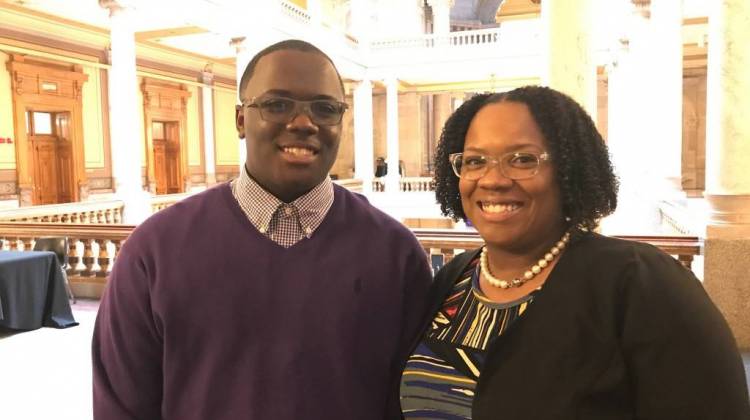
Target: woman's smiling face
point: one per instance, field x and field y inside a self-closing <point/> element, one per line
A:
<point x="511" y="214"/>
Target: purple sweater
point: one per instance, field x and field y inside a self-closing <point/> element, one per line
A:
<point x="205" y="318"/>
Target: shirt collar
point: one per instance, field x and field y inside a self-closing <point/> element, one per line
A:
<point x="260" y="205"/>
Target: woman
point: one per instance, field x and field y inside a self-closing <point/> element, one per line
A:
<point x="550" y="320"/>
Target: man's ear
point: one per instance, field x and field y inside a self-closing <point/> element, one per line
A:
<point x="239" y="121"/>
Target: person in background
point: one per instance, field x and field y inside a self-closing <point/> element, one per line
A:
<point x="549" y="319"/>
<point x="381" y="168"/>
<point x="278" y="295"/>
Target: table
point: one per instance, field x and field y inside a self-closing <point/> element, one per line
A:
<point x="32" y="291"/>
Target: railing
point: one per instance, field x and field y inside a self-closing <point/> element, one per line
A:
<point x="481" y="37"/>
<point x="94" y="248"/>
<point x="416" y="184"/>
<point x="406" y="184"/>
<point x="295" y="12"/>
<point x="92" y="212"/>
<point x="84" y="212"/>
<point x="160" y="202"/>
<point x="445" y="243"/>
<point x="679" y="219"/>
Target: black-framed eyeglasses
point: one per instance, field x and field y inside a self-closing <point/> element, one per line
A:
<point x="279" y="109"/>
<point x="514" y="165"/>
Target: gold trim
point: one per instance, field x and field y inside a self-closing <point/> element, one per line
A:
<point x="695" y="20"/>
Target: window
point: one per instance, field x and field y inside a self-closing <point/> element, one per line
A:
<point x="41" y="123"/>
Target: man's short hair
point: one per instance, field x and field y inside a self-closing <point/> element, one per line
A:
<point x="289" y="44"/>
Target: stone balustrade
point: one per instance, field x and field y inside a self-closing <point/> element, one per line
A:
<point x="94" y="248"/>
<point x="416" y="184"/>
<point x="94" y="212"/>
<point x="406" y="184"/>
<point x="160" y="202"/>
<point x="294" y="12"/>
<point x="480" y="37"/>
<point x="443" y="244"/>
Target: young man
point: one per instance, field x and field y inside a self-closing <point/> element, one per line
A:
<point x="277" y="296"/>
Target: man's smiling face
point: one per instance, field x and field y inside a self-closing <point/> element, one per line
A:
<point x="289" y="159"/>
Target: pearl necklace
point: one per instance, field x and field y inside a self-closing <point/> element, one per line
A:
<point x="529" y="274"/>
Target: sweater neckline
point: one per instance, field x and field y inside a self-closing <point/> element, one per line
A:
<point x="234" y="206"/>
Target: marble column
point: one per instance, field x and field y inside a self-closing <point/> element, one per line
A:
<point x="363" y="139"/>
<point x="392" y="141"/>
<point x="630" y="120"/>
<point x="441" y="111"/>
<point x="569" y="51"/>
<point x="209" y="146"/>
<point x="665" y="67"/>
<point x="727" y="191"/>
<point x="441" y="15"/>
<point x="123" y="115"/>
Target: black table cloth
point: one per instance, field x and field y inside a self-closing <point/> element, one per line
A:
<point x="32" y="291"/>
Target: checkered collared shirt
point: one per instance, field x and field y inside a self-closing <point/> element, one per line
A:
<point x="284" y="223"/>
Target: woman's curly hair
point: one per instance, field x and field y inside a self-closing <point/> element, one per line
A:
<point x="588" y="185"/>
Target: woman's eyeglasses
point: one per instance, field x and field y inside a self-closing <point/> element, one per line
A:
<point x="513" y="165"/>
<point x="283" y="110"/>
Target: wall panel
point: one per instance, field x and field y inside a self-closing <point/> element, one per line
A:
<point x="7" y="150"/>
<point x="227" y="147"/>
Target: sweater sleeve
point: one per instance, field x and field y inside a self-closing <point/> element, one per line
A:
<point x="127" y="345"/>
<point x="681" y="356"/>
<point x="417" y="280"/>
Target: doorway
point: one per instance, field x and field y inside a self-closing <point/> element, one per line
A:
<point x="52" y="156"/>
<point x="166" y="140"/>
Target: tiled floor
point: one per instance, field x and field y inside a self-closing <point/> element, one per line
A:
<point x="46" y="373"/>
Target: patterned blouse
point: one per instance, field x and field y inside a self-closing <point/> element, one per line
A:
<point x="441" y="375"/>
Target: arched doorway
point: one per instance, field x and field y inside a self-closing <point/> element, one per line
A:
<point x="48" y="123"/>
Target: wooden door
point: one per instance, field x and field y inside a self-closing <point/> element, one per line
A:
<point x="66" y="183"/>
<point x="160" y="165"/>
<point x="174" y="183"/>
<point x="45" y="169"/>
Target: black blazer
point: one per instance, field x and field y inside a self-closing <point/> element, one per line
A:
<point x="620" y="330"/>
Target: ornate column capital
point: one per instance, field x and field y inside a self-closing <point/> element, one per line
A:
<point x="207" y="75"/>
<point x="642" y="7"/>
<point x="115" y="7"/>
<point x="238" y="43"/>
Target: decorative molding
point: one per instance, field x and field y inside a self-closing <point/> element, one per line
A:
<point x="8" y="188"/>
<point x="100" y="183"/>
<point x="19" y="82"/>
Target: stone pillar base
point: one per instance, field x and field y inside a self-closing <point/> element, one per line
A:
<point x="726" y="277"/>
<point x="25" y="196"/>
<point x="729" y="209"/>
<point x="83" y="191"/>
